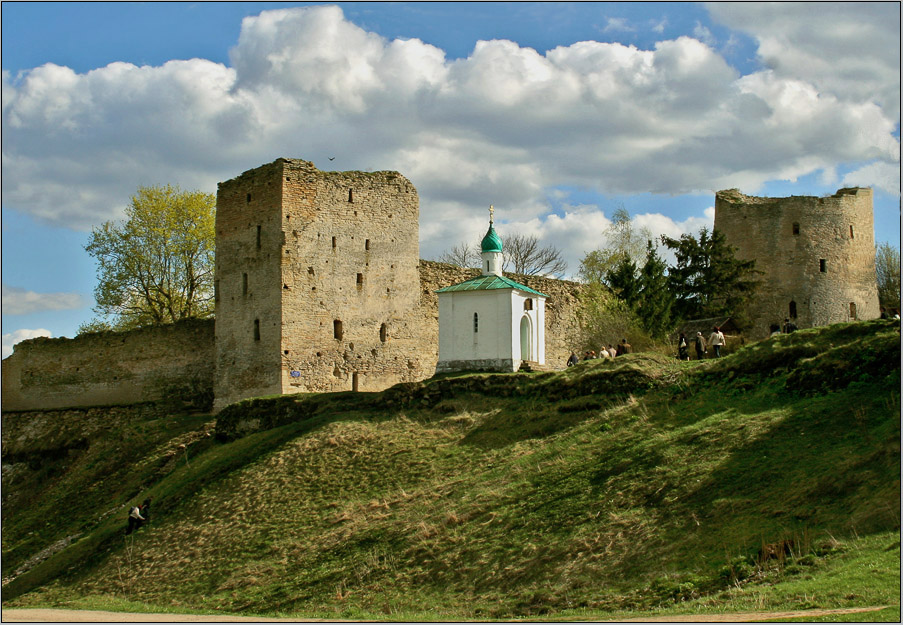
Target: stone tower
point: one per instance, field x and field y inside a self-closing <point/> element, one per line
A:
<point x="316" y="277"/>
<point x="817" y="255"/>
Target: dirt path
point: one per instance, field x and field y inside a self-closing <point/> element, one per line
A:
<point x="745" y="617"/>
<point x="96" y="616"/>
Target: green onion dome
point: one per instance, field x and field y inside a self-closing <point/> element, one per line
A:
<point x="491" y="242"/>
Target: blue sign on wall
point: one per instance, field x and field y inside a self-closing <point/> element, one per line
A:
<point x="295" y="374"/>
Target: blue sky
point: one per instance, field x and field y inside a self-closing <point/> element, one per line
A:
<point x="556" y="113"/>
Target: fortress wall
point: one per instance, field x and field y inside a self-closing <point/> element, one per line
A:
<point x="132" y="367"/>
<point x="349" y="281"/>
<point x="561" y="323"/>
<point x="110" y="368"/>
<point x="816" y="252"/>
<point x="318" y="288"/>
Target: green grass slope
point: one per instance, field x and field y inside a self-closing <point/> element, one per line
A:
<point x="767" y="479"/>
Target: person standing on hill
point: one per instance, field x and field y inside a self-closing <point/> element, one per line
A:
<point x="700" y="346"/>
<point x="683" y="351"/>
<point x="573" y="360"/>
<point x="135" y="520"/>
<point x="145" y="513"/>
<point x="717" y="341"/>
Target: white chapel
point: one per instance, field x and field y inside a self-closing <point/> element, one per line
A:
<point x="490" y="322"/>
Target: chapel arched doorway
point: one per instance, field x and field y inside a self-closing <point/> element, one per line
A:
<point x="526" y="339"/>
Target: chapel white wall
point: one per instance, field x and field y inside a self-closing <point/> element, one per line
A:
<point x="458" y="341"/>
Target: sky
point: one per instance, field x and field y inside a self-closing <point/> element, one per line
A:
<point x="557" y="114"/>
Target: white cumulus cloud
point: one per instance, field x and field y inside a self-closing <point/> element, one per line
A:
<point x="882" y="175"/>
<point x="848" y="49"/>
<point x="503" y="125"/>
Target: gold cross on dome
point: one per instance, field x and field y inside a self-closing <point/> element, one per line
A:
<point x="491" y="211"/>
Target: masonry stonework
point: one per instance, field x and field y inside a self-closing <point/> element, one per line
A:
<point x="319" y="288"/>
<point x="817" y="255"/>
<point x="109" y="368"/>
<point x="316" y="277"/>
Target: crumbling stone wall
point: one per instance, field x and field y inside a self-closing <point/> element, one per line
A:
<point x="817" y="255"/>
<point x="110" y="368"/>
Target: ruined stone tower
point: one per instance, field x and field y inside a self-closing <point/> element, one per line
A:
<point x="817" y="255"/>
<point x="316" y="278"/>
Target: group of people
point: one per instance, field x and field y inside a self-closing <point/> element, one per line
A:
<point x="138" y="516"/>
<point x="604" y="352"/>
<point x="716" y="341"/>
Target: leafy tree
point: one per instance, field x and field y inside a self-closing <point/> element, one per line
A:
<point x="708" y="280"/>
<point x="524" y="255"/>
<point x="622" y="240"/>
<point x="156" y="266"/>
<point x="887" y="267"/>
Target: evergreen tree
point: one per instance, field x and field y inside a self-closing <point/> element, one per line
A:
<point x="623" y="280"/>
<point x="708" y="279"/>
<point x="645" y="292"/>
<point x="655" y="299"/>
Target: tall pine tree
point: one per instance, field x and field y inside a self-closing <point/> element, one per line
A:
<point x="708" y="279"/>
<point x="645" y="291"/>
<point x="655" y="298"/>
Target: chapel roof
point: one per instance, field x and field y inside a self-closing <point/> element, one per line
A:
<point x="487" y="283"/>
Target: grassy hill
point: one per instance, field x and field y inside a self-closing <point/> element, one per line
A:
<point x="766" y="479"/>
